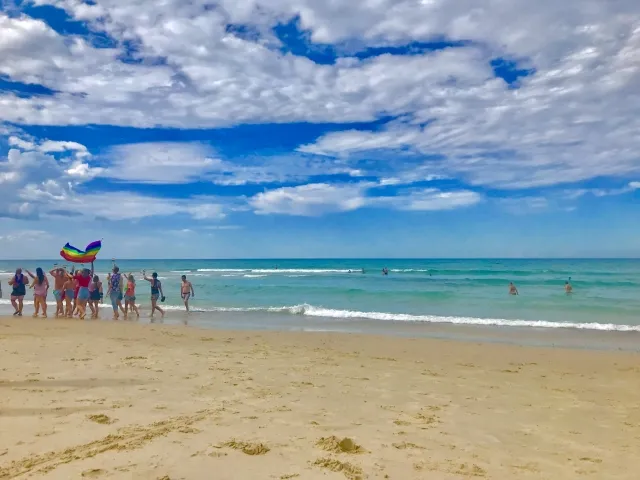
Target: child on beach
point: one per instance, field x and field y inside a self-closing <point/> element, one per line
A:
<point x="40" y="287"/>
<point x="130" y="297"/>
<point x="186" y="291"/>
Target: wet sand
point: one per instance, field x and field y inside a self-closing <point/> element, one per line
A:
<point x="124" y="400"/>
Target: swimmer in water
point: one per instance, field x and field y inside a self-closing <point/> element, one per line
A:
<point x="512" y="289"/>
<point x="568" y="288"/>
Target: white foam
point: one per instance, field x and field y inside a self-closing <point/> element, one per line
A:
<point x="311" y="311"/>
<point x="254" y="276"/>
<point x="408" y="270"/>
<point x="279" y="270"/>
<point x="181" y="271"/>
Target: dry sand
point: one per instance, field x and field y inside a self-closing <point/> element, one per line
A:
<point x="116" y="400"/>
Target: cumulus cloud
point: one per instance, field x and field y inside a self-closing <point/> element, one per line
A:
<point x="321" y="198"/>
<point x="35" y="184"/>
<point x="309" y="200"/>
<point x="164" y="162"/>
<point x="178" y="64"/>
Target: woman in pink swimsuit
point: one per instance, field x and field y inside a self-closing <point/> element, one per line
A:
<point x="40" y="287"/>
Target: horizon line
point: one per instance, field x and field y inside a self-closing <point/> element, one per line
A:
<point x="324" y="258"/>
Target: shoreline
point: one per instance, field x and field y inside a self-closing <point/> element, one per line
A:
<point x="113" y="399"/>
<point x="262" y="320"/>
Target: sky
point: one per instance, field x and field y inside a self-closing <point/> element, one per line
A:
<point x="298" y="128"/>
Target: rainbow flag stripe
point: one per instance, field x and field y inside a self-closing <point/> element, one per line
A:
<point x="75" y="255"/>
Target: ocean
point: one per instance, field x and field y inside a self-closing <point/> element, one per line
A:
<point x="335" y="294"/>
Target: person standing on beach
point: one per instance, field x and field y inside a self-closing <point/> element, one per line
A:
<point x="95" y="296"/>
<point x="59" y="278"/>
<point x="83" y="279"/>
<point x="18" y="283"/>
<point x="186" y="291"/>
<point x="156" y="292"/>
<point x="68" y="288"/>
<point x="40" y="287"/>
<point x="130" y="297"/>
<point x="512" y="289"/>
<point x="115" y="292"/>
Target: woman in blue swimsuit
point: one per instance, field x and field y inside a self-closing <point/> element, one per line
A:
<point x="156" y="292"/>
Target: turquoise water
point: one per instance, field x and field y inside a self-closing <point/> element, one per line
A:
<point x="442" y="291"/>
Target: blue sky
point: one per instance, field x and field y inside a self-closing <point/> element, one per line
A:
<point x="290" y="128"/>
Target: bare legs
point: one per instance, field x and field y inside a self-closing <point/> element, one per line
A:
<point x="40" y="302"/>
<point x="69" y="307"/>
<point x="82" y="308"/>
<point x="131" y="304"/>
<point x="17" y="304"/>
<point x="154" y="306"/>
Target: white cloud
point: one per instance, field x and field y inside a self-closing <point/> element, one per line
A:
<point x="432" y="199"/>
<point x="164" y="162"/>
<point x="575" y="119"/>
<point x="35" y="184"/>
<point x="185" y="162"/>
<point x="49" y="146"/>
<point x="321" y="198"/>
<point x="21" y="144"/>
<point x="309" y="200"/>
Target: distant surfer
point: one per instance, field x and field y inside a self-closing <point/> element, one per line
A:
<point x="363" y="270"/>
<point x="512" y="289"/>
<point x="568" y="288"/>
<point x="385" y="271"/>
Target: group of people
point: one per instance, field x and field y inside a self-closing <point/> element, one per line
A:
<point x="76" y="290"/>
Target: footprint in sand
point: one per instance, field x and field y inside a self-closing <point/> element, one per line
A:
<point x="93" y="473"/>
<point x="247" y="448"/>
<point x="352" y="472"/>
<point x="101" y="418"/>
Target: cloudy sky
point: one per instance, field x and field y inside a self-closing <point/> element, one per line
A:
<point x="300" y="128"/>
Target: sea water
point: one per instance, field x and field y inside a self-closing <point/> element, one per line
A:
<point x="327" y="292"/>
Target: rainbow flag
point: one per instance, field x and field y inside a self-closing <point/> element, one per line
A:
<point x="72" y="254"/>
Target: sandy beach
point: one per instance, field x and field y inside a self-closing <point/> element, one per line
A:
<point x="124" y="400"/>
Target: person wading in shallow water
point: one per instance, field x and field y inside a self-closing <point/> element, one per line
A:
<point x="186" y="291"/>
<point x="156" y="292"/>
<point x="40" y="287"/>
<point x="19" y="289"/>
<point x="512" y="289"/>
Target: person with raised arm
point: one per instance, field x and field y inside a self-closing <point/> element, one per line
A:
<point x="156" y="292"/>
<point x="19" y="289"/>
<point x="60" y="276"/>
<point x="40" y="287"/>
